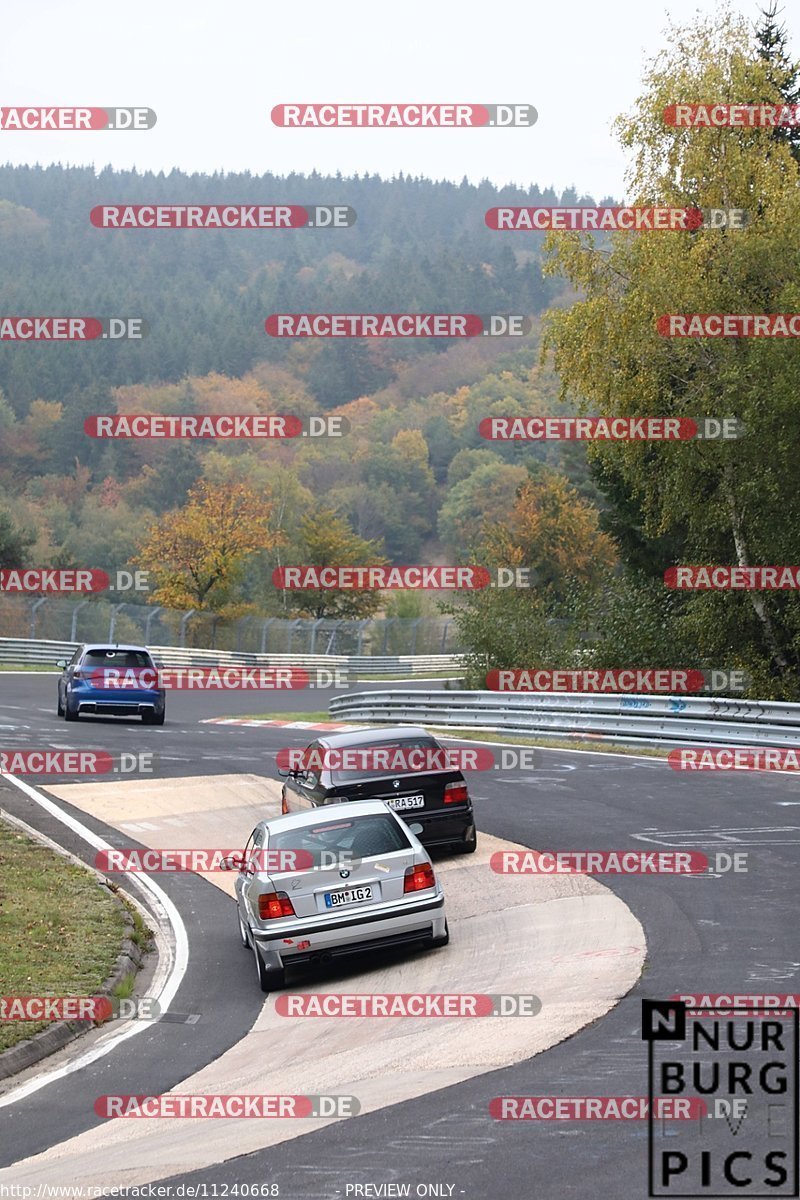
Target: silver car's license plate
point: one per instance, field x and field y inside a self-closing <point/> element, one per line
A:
<point x="347" y="896"/>
<point x="401" y="803"/>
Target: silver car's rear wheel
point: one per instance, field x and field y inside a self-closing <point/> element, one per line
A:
<point x="242" y="930"/>
<point x="268" y="979"/>
<point x="443" y="940"/>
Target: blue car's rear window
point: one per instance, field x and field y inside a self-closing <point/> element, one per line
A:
<point x="121" y="659"/>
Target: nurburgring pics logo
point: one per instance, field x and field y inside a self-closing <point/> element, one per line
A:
<point x="741" y="325"/>
<point x="745" y="1068"/>
<point x="623" y="680"/>
<point x="60" y="120"/>
<point x="733" y="578"/>
<point x="608" y="429"/>
<point x="397" y="325"/>
<point x="402" y="116"/>
<point x="406" y="1004"/>
<point x="585" y="219"/>
<point x="222" y="216"/>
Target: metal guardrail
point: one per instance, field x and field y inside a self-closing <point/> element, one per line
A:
<point x="27" y="652"/>
<point x="670" y="720"/>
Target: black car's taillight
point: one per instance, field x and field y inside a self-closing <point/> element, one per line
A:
<point x="456" y="793"/>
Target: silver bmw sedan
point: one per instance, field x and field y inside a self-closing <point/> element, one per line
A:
<point x="335" y="881"/>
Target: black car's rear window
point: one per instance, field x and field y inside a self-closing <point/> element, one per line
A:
<point x="374" y="759"/>
<point x="120" y="659"/>
<point x="365" y="836"/>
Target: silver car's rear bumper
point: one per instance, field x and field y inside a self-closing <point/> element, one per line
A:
<point x="348" y="932"/>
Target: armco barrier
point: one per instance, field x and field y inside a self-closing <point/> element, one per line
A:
<point x="669" y="720"/>
<point x="24" y="652"/>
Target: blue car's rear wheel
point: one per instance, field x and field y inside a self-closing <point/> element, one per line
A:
<point x="70" y="713"/>
<point x="60" y="709"/>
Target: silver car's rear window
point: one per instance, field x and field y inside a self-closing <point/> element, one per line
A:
<point x="361" y="837"/>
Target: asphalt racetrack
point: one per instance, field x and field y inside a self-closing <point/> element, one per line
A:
<point x="716" y="933"/>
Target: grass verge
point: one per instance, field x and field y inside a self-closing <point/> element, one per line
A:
<point x="60" y="932"/>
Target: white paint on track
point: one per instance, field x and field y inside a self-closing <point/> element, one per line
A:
<point x="169" y="975"/>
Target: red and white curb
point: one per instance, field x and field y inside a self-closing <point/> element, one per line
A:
<point x="320" y="725"/>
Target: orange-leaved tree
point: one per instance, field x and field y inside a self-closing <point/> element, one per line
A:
<point x="196" y="553"/>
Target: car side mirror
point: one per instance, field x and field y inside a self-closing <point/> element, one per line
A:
<point x="287" y="772"/>
<point x="415" y="828"/>
<point x="62" y="662"/>
<point x="233" y="862"/>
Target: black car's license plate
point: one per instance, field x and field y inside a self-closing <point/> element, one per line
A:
<point x="347" y="896"/>
<point x="403" y="803"/>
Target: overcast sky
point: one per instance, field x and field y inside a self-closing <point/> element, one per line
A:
<point x="213" y="71"/>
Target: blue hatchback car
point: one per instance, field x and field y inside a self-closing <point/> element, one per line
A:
<point x="118" y="681"/>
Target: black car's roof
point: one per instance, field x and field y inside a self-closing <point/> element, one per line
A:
<point x="372" y="737"/>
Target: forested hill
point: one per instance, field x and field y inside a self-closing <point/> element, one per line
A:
<point x="417" y="245"/>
